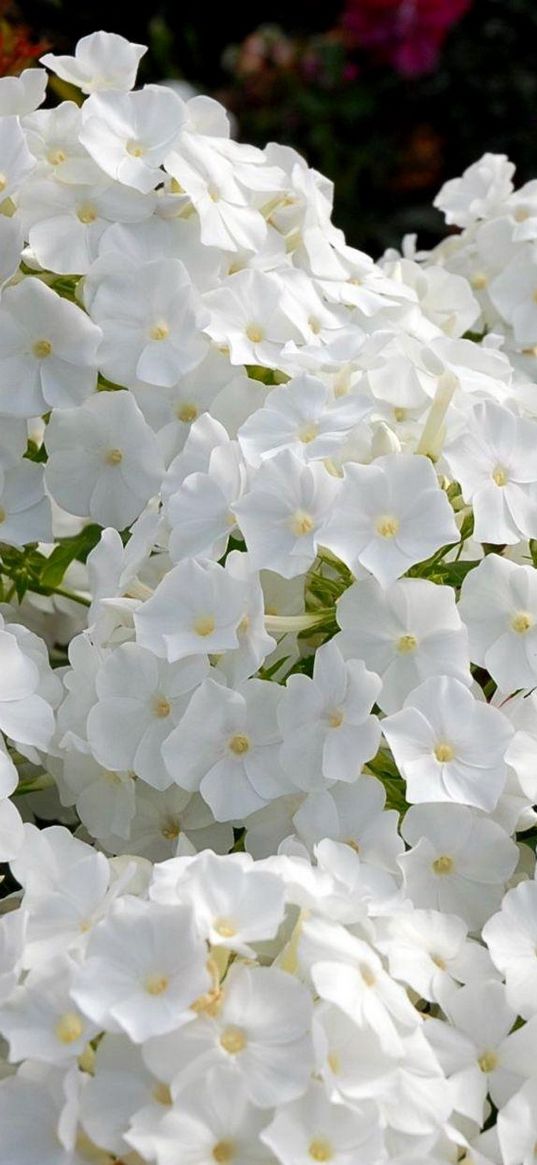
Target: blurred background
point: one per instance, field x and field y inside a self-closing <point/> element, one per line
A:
<point x="386" y="97"/>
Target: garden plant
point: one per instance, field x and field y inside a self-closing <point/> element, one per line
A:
<point x="268" y="649"/>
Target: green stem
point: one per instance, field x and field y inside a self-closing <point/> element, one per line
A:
<point x="71" y="595"/>
<point x="35" y="786"/>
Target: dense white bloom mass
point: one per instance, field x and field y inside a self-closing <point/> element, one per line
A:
<point x="268" y="648"/>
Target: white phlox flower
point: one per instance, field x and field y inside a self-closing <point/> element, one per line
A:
<point x="448" y="745"/>
<point x="102" y="60"/>
<point x="327" y="729"/>
<point x="268" y="648"/>
<point x="389" y="515"/>
<point x="499" y="607"/>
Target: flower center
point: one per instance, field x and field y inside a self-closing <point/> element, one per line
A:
<point x="3" y="182"/>
<point x="135" y="149"/>
<point x="171" y="829"/>
<point x="239" y="744"/>
<point x="314" y="325"/>
<point x="352" y="844"/>
<point x="499" y="475"/>
<point x="187" y="413"/>
<point x="438" y="962"/>
<point x="255" y="333"/>
<point x="224" y="927"/>
<point x="204" y="625"/>
<point x="406" y="644"/>
<point x="86" y="214"/>
<point x="522" y="622"/>
<point x="301" y="523"/>
<point x="444" y="752"/>
<point x="156" y="984"/>
<point x="320" y="1149"/>
<point x="479" y="281"/>
<point x="42" y="349"/>
<point x="159" y="332"/>
<point x="387" y="526"/>
<point x="223" y="1151"/>
<point x="334" y="1063"/>
<point x="161" y="707"/>
<point x="308" y="433"/>
<point x="69" y="1027"/>
<point x="161" y="1093"/>
<point x="443" y="865"/>
<point x="233" y="1040"/>
<point x="113" y="457"/>
<point x="336" y="718"/>
<point x="368" y="975"/>
<point x="56" y="157"/>
<point x="488" y="1061"/>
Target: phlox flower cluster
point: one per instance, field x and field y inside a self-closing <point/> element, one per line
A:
<point x="268" y="647"/>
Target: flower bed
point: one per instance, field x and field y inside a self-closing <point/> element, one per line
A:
<point x="268" y="520"/>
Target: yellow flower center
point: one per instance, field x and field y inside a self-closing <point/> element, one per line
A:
<point x="233" y="1040"/>
<point x="161" y="707"/>
<point x="479" y="281"/>
<point x="86" y="214"/>
<point x="352" y="844"/>
<point x="488" y="1061"/>
<point x="522" y="622"/>
<point x="113" y="457"/>
<point x="301" y="523"/>
<point x="239" y="744"/>
<point x="308" y="433"/>
<point x="443" y="865"/>
<point x="406" y="644"/>
<point x="56" y="157"/>
<point x="314" y="325"/>
<point x="320" y="1149"/>
<point x="438" y="962"/>
<point x="225" y="927"/>
<point x="69" y="1027"/>
<point x="187" y="413"/>
<point x="368" y="975"/>
<point x="135" y="149"/>
<point x="159" y="332"/>
<point x="334" y="1063"/>
<point x="499" y="475"/>
<point x="161" y="1093"/>
<point x="204" y="625"/>
<point x="444" y="752"/>
<point x="171" y="829"/>
<point x="336" y="718"/>
<point x="387" y="526"/>
<point x="224" y="1151"/>
<point x="156" y="984"/>
<point x="255" y="333"/>
<point x="3" y="182"/>
<point x="42" y="349"/>
<point x="399" y="413"/>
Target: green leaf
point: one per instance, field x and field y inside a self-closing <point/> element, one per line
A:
<point x="68" y="550"/>
<point x="36" y="452"/>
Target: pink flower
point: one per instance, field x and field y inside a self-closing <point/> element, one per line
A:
<point x="407" y="34"/>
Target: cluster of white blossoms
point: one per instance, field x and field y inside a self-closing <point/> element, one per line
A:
<point x="268" y="648"/>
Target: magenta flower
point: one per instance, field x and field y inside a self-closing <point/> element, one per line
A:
<point x="407" y="34"/>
